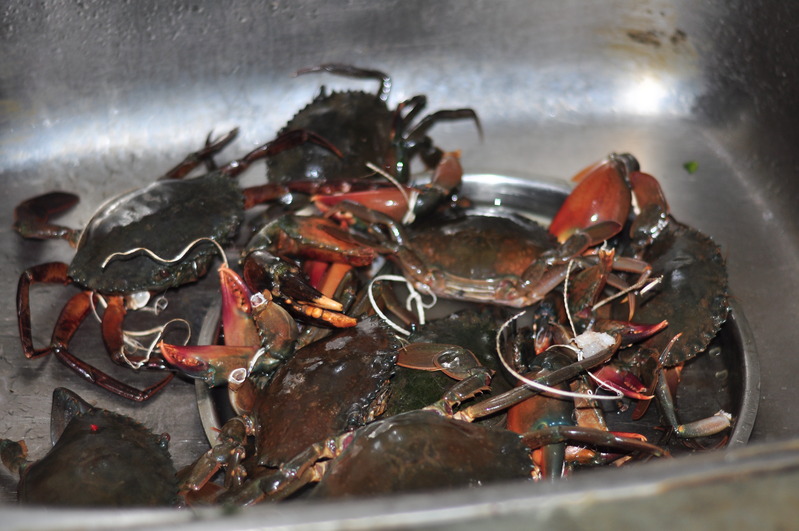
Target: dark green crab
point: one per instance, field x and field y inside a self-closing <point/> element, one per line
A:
<point x="171" y="226"/>
<point x="98" y="459"/>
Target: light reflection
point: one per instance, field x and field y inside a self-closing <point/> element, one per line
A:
<point x="645" y="96"/>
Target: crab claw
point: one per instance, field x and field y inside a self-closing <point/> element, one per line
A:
<point x="647" y="191"/>
<point x="267" y="273"/>
<point x="255" y="339"/>
<point x="601" y="195"/>
<point x="402" y="203"/>
<point x="623" y="381"/>
<point x="236" y="310"/>
<point x="627" y="331"/>
<point x="628" y="372"/>
<point x="209" y="363"/>
<point x="653" y="217"/>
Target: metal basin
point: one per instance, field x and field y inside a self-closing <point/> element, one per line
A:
<point x="101" y="97"/>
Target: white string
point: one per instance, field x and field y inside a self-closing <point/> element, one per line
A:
<point x="410" y="200"/>
<point x="413" y="297"/>
<point x="641" y="283"/>
<point x="158" y="258"/>
<point x="129" y="339"/>
<point x="103" y="303"/>
<point x="258" y="354"/>
<point x="160" y="304"/>
<point x="546" y="388"/>
<point x="566" y="297"/>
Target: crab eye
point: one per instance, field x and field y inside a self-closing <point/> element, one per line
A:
<point x="163" y="273"/>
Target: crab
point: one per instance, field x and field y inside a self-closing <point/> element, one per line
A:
<point x="142" y="242"/>
<point x="692" y="294"/>
<point x="478" y="255"/>
<point x="365" y="129"/>
<point x="98" y="459"/>
<point x="377" y="143"/>
<point x="431" y="448"/>
<point x="330" y="389"/>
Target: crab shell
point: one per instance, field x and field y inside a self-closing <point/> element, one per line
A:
<point x="164" y="217"/>
<point x="422" y="451"/>
<point x="480" y="255"/>
<point x="101" y="459"/>
<point x="326" y="388"/>
<point x="692" y="295"/>
<point x="358" y="123"/>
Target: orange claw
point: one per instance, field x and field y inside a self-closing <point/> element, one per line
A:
<point x="601" y="195"/>
<point x="647" y="191"/>
<point x="209" y="363"/>
<point x="236" y="310"/>
<point x="397" y="201"/>
<point x="389" y="200"/>
<point x="249" y="327"/>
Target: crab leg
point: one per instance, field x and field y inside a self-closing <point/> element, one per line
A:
<point x="397" y="201"/>
<point x="50" y="273"/>
<point x="579" y="434"/>
<point x="300" y="471"/>
<point x="518" y="394"/>
<point x="32" y="217"/>
<point x="417" y="142"/>
<point x="70" y="319"/>
<point x="114" y="337"/>
<point x="352" y="71"/>
<point x="73" y="314"/>
<point x="454" y="361"/>
<point x="706" y="427"/>
<point x="285" y="141"/>
<point x="545" y="411"/>
<point x="203" y="156"/>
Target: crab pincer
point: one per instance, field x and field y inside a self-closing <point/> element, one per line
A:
<point x="258" y="336"/>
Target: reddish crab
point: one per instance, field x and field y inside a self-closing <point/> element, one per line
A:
<point x="481" y="255"/>
<point x="166" y="219"/>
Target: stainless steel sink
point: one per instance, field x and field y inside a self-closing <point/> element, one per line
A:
<point x="100" y="97"/>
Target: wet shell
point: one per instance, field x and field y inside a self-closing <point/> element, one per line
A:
<point x="325" y="389"/>
<point x="422" y="451"/>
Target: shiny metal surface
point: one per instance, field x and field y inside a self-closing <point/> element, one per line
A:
<point x="97" y="97"/>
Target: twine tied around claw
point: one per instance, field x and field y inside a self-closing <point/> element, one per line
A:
<point x="414" y="299"/>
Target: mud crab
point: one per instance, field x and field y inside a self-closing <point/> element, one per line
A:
<point x="340" y="378"/>
<point x="285" y="450"/>
<point x="375" y="141"/>
<point x="165" y="219"/>
<point x="98" y="459"/>
<point x="691" y="295"/>
<point x="364" y="128"/>
<point x="693" y="292"/>
<point x="429" y="449"/>
<point x="518" y="263"/>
